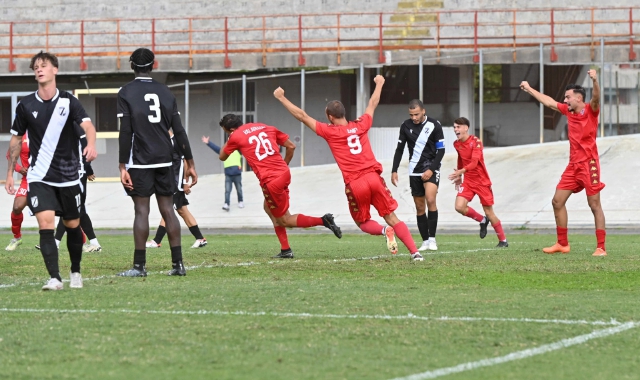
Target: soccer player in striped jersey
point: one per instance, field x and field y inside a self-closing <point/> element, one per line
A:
<point x="476" y="181"/>
<point x="147" y="110"/>
<point x="424" y="137"/>
<point x="48" y="115"/>
<point x="349" y="144"/>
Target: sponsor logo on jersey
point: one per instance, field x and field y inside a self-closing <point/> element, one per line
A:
<point x="592" y="162"/>
<point x="35" y="114"/>
<point x="595" y="181"/>
<point x="63" y="111"/>
<point x="352" y="130"/>
<point x="593" y="168"/>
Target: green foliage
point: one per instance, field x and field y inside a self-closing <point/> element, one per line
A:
<point x="492" y="83"/>
<point x="140" y="328"/>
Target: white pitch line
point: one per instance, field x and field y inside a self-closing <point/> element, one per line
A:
<point x="518" y="355"/>
<point x="251" y="263"/>
<point x="310" y="315"/>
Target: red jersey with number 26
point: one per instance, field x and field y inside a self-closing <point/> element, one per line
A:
<point x="350" y="147"/>
<point x="260" y="145"/>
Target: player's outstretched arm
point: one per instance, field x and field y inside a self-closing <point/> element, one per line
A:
<point x="595" y="97"/>
<point x="89" y="151"/>
<point x="375" y="97"/>
<point x="546" y="100"/>
<point x="290" y="147"/>
<point x="294" y="110"/>
<point x="14" y="152"/>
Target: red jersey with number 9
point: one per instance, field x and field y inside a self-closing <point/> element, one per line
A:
<point x="260" y="145"/>
<point x="350" y="147"/>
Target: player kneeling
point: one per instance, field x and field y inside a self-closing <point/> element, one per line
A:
<point x="476" y="181"/>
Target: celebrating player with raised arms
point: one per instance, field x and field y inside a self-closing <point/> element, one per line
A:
<point x="583" y="170"/>
<point x="48" y="115"/>
<point x="349" y="143"/>
<point x="259" y="144"/>
<point x="147" y="110"/>
<point x="476" y="181"/>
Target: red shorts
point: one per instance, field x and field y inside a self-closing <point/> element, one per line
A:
<point x="582" y="175"/>
<point x="370" y="189"/>
<point x="483" y="192"/>
<point x="22" y="190"/>
<point x="276" y="194"/>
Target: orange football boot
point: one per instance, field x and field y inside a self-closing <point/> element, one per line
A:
<point x="557" y="248"/>
<point x="599" y="252"/>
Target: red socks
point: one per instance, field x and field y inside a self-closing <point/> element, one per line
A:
<point x="308" y="221"/>
<point x="600" y="236"/>
<point x="499" y="231"/>
<point x="473" y="214"/>
<point x="281" y="233"/>
<point x="371" y="227"/>
<point x="16" y="224"/>
<point x="562" y="235"/>
<point x="402" y="232"/>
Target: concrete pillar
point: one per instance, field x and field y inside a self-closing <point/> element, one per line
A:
<point x="466" y="95"/>
<point x="363" y="89"/>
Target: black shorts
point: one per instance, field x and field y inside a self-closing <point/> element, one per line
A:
<point x="417" y="184"/>
<point x="146" y="182"/>
<point x="65" y="201"/>
<point x="179" y="200"/>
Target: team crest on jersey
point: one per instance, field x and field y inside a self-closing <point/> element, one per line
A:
<point x="35" y="114"/>
<point x="34" y="201"/>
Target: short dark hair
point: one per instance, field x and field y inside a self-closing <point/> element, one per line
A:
<point x="577" y="89"/>
<point x="462" y="121"/>
<point x="45" y="56"/>
<point x="336" y="109"/>
<point x="230" y="121"/>
<point x="415" y="103"/>
<point x="142" y="60"/>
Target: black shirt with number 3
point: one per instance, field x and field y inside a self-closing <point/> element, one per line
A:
<point x="147" y="110"/>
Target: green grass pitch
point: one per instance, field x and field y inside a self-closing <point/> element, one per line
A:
<point x="342" y="309"/>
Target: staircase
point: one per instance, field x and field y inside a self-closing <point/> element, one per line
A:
<point x="407" y="32"/>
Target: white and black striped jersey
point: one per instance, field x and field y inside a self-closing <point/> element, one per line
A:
<point x="150" y="110"/>
<point x="53" y="140"/>
<point x="426" y="146"/>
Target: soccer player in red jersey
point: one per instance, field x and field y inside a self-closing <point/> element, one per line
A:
<point x="349" y="143"/>
<point x="476" y="181"/>
<point x="20" y="201"/>
<point x="583" y="171"/>
<point x="259" y="143"/>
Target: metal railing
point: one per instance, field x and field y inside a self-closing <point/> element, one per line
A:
<point x="433" y="30"/>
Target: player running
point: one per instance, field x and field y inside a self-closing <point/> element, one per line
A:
<point x="48" y="115"/>
<point x="349" y="143"/>
<point x="180" y="202"/>
<point x="425" y="139"/>
<point x="258" y="143"/>
<point x="583" y="170"/>
<point x="147" y="110"/>
<point x="476" y="181"/>
<point x="20" y="201"/>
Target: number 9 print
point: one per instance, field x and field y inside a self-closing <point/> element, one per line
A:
<point x="354" y="143"/>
